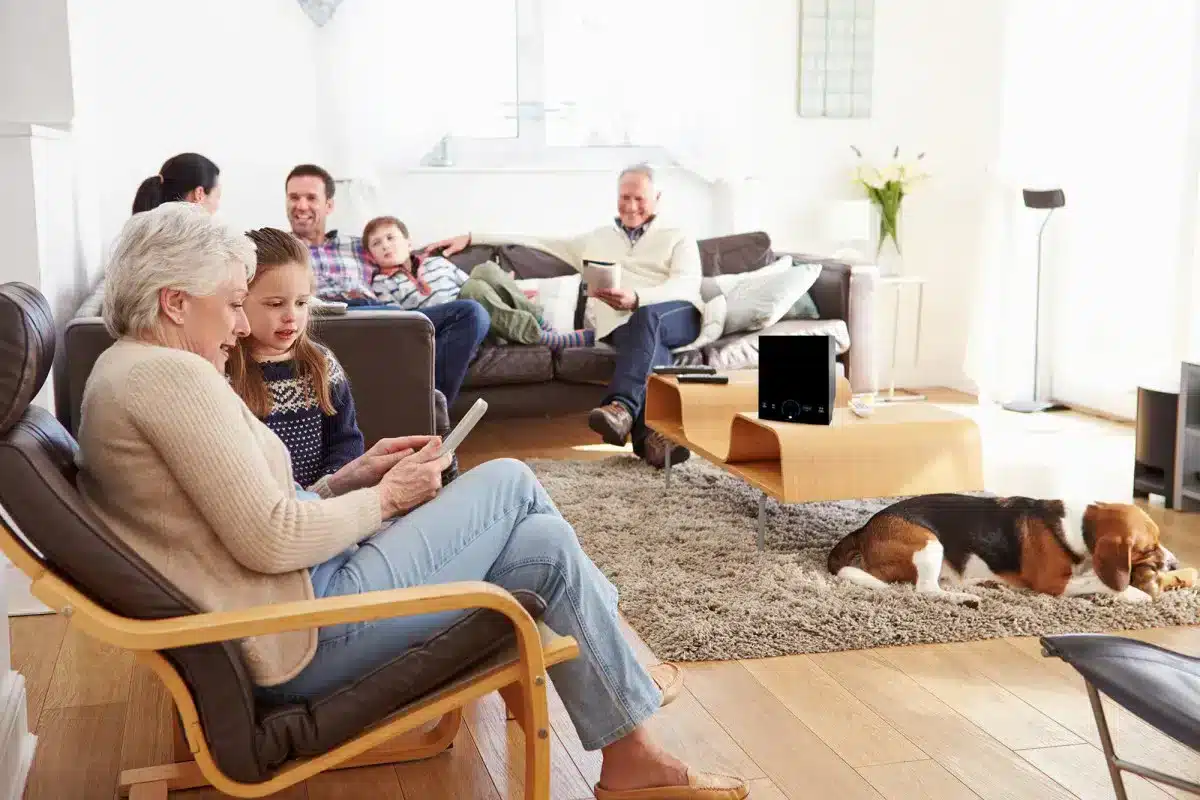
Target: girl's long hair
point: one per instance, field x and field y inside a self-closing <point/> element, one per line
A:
<point x="276" y="249"/>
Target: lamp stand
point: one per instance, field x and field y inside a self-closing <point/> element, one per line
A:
<point x="1035" y="406"/>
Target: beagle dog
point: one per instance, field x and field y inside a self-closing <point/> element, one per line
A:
<point x="1021" y="541"/>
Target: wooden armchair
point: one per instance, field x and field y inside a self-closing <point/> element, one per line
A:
<point x="236" y="742"/>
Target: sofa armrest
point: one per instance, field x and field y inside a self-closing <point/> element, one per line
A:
<point x="388" y="357"/>
<point x="864" y="341"/>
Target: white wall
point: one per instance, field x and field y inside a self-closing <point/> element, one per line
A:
<point x="733" y="80"/>
<point x="233" y="80"/>
<point x="936" y="89"/>
<point x="1101" y="100"/>
<point x="35" y="61"/>
<point x="438" y="202"/>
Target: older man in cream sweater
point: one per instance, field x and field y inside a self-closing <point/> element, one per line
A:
<point x="656" y="308"/>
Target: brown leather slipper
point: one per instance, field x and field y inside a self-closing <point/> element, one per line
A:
<point x="700" y="786"/>
<point x="669" y="680"/>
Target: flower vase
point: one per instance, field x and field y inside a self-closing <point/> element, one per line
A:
<point x="889" y="256"/>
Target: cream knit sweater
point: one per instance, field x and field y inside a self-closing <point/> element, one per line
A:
<point x="177" y="466"/>
<point x="664" y="264"/>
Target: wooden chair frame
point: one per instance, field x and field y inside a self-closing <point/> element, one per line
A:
<point x="522" y="682"/>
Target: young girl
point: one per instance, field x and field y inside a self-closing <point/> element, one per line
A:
<point x="414" y="282"/>
<point x="291" y="383"/>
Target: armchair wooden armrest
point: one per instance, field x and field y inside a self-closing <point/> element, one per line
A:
<point x="522" y="681"/>
<point x="220" y="626"/>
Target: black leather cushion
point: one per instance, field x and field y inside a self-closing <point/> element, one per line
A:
<point x="26" y="349"/>
<point x="496" y="365"/>
<point x="37" y="489"/>
<point x="1160" y="686"/>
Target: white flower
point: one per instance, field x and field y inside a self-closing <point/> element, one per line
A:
<point x="892" y="172"/>
<point x="869" y="176"/>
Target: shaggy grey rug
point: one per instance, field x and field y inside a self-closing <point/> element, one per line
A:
<point x="695" y="588"/>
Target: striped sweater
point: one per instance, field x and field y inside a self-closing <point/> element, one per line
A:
<point x="438" y="280"/>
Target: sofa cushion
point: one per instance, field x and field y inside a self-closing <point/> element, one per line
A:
<point x="585" y="364"/>
<point x="740" y="351"/>
<point x="496" y="365"/>
<point x="762" y="297"/>
<point x="740" y="252"/>
<point x="529" y="262"/>
<point x="557" y="297"/>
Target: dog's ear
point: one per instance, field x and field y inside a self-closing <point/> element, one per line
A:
<point x="1052" y="509"/>
<point x="1110" y="539"/>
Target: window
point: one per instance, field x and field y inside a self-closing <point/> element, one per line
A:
<point x="836" y="54"/>
<point x="480" y="65"/>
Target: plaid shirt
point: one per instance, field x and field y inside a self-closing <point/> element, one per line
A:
<point x="341" y="266"/>
<point x="634" y="233"/>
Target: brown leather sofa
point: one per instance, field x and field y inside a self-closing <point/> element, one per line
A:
<point x="526" y="381"/>
<point x="388" y="355"/>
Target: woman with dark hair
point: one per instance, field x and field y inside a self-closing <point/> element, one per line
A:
<point x="188" y="176"/>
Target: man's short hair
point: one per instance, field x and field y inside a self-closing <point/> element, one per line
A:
<point x="313" y="171"/>
<point x="638" y="169"/>
<point x="381" y="222"/>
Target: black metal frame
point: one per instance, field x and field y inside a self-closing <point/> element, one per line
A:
<point x="1116" y="765"/>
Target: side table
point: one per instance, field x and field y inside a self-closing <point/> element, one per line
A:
<point x="898" y="284"/>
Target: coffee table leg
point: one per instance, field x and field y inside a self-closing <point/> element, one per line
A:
<point x="762" y="520"/>
<point x="667" y="468"/>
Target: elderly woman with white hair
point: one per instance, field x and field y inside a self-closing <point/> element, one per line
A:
<point x="177" y="465"/>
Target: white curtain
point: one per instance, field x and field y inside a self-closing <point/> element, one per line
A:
<point x="1099" y="100"/>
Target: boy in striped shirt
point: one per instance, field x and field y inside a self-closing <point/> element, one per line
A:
<point x="416" y="282"/>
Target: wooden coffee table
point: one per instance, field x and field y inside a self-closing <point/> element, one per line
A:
<point x="899" y="450"/>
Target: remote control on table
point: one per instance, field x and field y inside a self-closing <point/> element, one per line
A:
<point x="860" y="409"/>
<point x="703" y="378"/>
<point x="697" y="369"/>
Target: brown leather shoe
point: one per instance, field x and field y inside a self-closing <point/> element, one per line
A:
<point x="656" y="447"/>
<point x="613" y="422"/>
<point x="700" y="786"/>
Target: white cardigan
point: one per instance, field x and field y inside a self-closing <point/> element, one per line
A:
<point x="663" y="265"/>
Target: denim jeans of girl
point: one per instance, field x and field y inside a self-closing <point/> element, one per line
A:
<point x="494" y="523"/>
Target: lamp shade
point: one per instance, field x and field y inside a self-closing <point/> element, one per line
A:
<point x="1044" y="198"/>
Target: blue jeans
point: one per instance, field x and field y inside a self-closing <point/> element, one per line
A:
<point x="644" y="342"/>
<point x="458" y="328"/>
<point x="494" y="523"/>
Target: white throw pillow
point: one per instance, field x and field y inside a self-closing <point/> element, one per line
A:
<point x="558" y="298"/>
<point x="762" y="297"/>
<point x="726" y="283"/>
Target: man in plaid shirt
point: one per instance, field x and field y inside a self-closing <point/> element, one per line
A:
<point x="344" y="273"/>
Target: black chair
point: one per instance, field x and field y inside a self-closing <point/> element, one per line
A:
<point x="1161" y="687"/>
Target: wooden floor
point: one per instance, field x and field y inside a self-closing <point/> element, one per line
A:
<point x="988" y="719"/>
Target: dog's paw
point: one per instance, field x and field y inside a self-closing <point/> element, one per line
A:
<point x="963" y="599"/>
<point x="1132" y="594"/>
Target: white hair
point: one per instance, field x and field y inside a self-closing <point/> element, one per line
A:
<point x="174" y="246"/>
<point x="638" y="169"/>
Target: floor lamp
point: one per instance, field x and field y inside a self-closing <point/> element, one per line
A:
<point x="1048" y="199"/>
